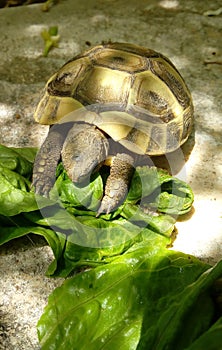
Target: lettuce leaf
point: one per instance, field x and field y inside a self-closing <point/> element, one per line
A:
<point x="19" y="160"/>
<point x="148" y="298"/>
<point x="15" y="175"/>
<point x="139" y="295"/>
<point x="68" y="220"/>
<point x="160" y="191"/>
<point x="150" y="187"/>
<point x="211" y="339"/>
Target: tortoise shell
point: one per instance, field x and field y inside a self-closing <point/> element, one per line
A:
<point x="135" y="95"/>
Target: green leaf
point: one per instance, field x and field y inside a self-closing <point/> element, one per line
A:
<point x="17" y="226"/>
<point x="139" y="294"/>
<point x="157" y="222"/>
<point x="14" y="197"/>
<point x="71" y="194"/>
<point x="27" y="153"/>
<point x="211" y="339"/>
<point x="104" y="241"/>
<point x="15" y="174"/>
<point x="68" y="217"/>
<point x="145" y="299"/>
<point x="17" y="159"/>
<point x="145" y="181"/>
<point x="157" y="190"/>
<point x="176" y="197"/>
<point x="91" y="241"/>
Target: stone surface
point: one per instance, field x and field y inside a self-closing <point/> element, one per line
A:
<point x="181" y="30"/>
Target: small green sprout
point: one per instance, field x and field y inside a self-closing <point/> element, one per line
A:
<point x="48" y="4"/>
<point x="51" y="39"/>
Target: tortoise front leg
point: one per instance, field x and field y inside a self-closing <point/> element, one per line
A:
<point x="46" y="161"/>
<point x="117" y="184"/>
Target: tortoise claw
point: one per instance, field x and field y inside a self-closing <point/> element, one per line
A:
<point x="107" y="205"/>
<point x="117" y="184"/>
<point x="42" y="187"/>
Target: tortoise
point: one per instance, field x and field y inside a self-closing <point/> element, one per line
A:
<point x="126" y="95"/>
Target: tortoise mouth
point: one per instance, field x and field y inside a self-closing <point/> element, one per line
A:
<point x="81" y="176"/>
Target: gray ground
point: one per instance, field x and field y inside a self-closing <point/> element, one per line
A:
<point x="189" y="33"/>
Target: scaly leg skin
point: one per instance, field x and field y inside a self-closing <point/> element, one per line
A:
<point x="117" y="183"/>
<point x="44" y="170"/>
<point x="84" y="150"/>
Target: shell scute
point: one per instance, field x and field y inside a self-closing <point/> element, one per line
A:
<point x="68" y="77"/>
<point x="166" y="72"/>
<point x="102" y="86"/>
<point x="120" y="60"/>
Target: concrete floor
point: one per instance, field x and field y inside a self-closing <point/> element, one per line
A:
<point x="189" y="33"/>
